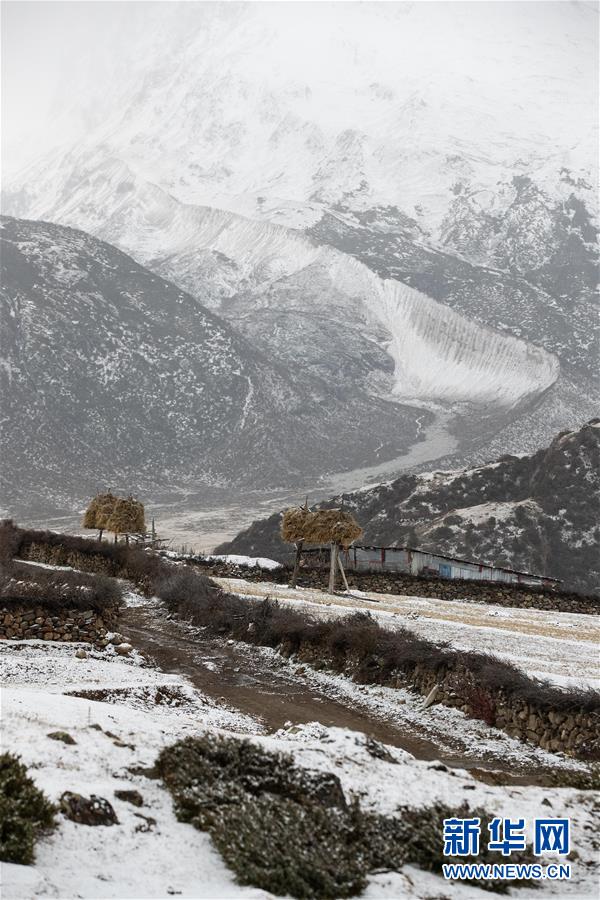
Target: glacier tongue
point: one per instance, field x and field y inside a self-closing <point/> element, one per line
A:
<point x="440" y="355"/>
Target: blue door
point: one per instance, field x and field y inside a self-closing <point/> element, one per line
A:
<point x="445" y="570"/>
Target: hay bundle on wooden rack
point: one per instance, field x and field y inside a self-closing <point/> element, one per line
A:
<point x="293" y="524"/>
<point x="99" y="511"/>
<point x="127" y="516"/>
<point x="331" y="526"/>
<point x="324" y="526"/>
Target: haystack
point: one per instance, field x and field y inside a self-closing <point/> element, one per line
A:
<point x="99" y="511"/>
<point x="325" y="526"/>
<point x="127" y="516"/>
<point x="293" y="524"/>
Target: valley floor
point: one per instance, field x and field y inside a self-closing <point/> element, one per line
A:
<point x="128" y="708"/>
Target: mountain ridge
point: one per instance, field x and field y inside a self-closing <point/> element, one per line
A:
<point x="97" y="351"/>
<point x="536" y="513"/>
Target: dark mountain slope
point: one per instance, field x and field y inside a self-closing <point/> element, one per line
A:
<point x="537" y="513"/>
<point x="112" y="376"/>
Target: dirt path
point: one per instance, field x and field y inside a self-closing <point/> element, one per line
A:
<point x="234" y="674"/>
<point x="262" y="685"/>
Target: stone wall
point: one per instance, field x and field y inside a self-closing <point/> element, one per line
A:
<point x="397" y="583"/>
<point x="57" y="555"/>
<point x="574" y="732"/>
<point x="21" y="622"/>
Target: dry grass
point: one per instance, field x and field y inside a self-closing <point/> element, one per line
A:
<point x="324" y="526"/>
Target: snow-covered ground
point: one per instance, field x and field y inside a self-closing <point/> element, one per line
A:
<point x="141" y="859"/>
<point x="235" y="559"/>
<point x="561" y="647"/>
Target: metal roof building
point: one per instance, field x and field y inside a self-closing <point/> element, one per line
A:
<point x="410" y="560"/>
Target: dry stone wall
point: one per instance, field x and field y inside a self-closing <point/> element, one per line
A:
<point x="396" y="583"/>
<point x="574" y="732"/>
<point x="23" y="623"/>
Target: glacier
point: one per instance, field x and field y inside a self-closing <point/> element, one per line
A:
<point x="439" y="355"/>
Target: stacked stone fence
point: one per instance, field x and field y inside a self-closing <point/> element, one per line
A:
<point x="20" y="622"/>
<point x="419" y="586"/>
<point x="574" y="731"/>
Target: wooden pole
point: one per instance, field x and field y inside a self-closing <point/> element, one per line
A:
<point x="294" y="578"/>
<point x="344" y="579"/>
<point x="333" y="566"/>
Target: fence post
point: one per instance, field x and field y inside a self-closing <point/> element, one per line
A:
<point x="333" y="566"/>
<point x="294" y="577"/>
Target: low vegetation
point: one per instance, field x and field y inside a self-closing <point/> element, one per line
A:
<point x="116" y="560"/>
<point x="292" y="831"/>
<point x="25" y="812"/>
<point x="24" y="585"/>
<point x="356" y="644"/>
<point x="581" y="779"/>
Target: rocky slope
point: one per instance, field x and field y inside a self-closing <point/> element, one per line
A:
<point x="113" y="376"/>
<point x="535" y="513"/>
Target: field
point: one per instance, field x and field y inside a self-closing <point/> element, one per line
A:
<point x="129" y="708"/>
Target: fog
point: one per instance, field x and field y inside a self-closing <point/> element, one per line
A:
<point x="67" y="66"/>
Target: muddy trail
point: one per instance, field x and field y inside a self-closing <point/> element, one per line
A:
<point x="263" y="686"/>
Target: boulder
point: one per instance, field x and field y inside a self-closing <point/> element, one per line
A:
<point x="91" y="810"/>
<point x="63" y="736"/>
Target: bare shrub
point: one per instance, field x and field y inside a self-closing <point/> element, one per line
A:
<point x="29" y="586"/>
<point x="10" y="541"/>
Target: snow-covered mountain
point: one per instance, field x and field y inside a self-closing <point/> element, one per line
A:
<point x="397" y="200"/>
<point x="111" y="375"/>
<point x="279" y="112"/>
<point x="535" y="513"/>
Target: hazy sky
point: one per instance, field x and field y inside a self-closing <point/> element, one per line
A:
<point x="50" y="49"/>
<point x="47" y="45"/>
